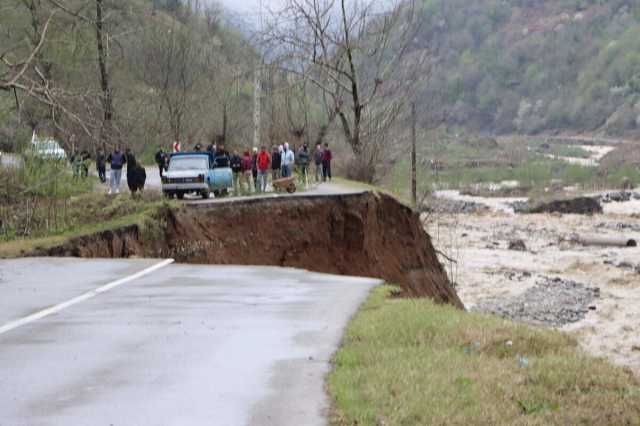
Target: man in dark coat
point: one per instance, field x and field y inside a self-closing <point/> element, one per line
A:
<point x="101" y="166"/>
<point x="117" y="159"/>
<point x="327" y="157"/>
<point x="160" y="160"/>
<point x="276" y="163"/>
<point x="236" y="168"/>
<point x="136" y="175"/>
<point x="254" y="168"/>
<point x="221" y="156"/>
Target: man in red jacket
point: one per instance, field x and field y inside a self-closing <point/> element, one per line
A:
<point x="326" y="163"/>
<point x="263" y="162"/>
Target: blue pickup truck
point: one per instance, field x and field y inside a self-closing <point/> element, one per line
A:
<point x="198" y="173"/>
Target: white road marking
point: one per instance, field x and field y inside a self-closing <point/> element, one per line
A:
<point x="86" y="296"/>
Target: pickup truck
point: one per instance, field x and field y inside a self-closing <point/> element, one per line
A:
<point x="198" y="173"/>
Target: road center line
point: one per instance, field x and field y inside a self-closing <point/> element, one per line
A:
<point x="86" y="296"/>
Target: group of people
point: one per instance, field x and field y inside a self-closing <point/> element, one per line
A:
<point x="136" y="175"/>
<point x="252" y="168"/>
<point x="80" y="164"/>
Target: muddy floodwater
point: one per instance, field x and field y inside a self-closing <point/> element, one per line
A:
<point x="592" y="292"/>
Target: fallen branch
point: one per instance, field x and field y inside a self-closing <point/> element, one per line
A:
<point x="438" y="252"/>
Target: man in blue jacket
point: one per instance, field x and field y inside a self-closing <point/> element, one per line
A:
<point x="117" y="160"/>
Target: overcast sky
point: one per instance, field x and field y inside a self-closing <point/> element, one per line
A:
<point x="249" y="10"/>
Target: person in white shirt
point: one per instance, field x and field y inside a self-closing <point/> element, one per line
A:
<point x="288" y="159"/>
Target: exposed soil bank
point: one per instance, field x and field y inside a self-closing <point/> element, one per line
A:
<point x="366" y="234"/>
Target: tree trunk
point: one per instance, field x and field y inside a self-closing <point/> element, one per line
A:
<point x="105" y="84"/>
<point x="414" y="180"/>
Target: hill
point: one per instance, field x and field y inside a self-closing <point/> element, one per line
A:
<point x="536" y="66"/>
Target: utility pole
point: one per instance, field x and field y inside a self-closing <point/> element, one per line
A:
<point x="257" y="97"/>
<point x="414" y="180"/>
<point x="257" y="93"/>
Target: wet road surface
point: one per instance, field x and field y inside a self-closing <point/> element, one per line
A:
<point x="182" y="345"/>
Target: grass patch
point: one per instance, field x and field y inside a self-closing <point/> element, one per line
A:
<point x="411" y="362"/>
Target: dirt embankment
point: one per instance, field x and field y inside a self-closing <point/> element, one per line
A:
<point x="366" y="234"/>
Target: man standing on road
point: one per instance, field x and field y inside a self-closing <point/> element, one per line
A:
<point x="236" y="168"/>
<point x="317" y="159"/>
<point x="288" y="160"/>
<point x="303" y="163"/>
<point x="101" y="166"/>
<point x="254" y="168"/>
<point x="247" y="168"/>
<point x="176" y="146"/>
<point x="276" y="163"/>
<point x="221" y="158"/>
<point x="117" y="161"/>
<point x="136" y="174"/>
<point x="326" y="163"/>
<point x="160" y="160"/>
<point x="264" y="161"/>
<point x="75" y="164"/>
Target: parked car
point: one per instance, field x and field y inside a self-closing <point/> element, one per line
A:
<point x="47" y="148"/>
<point x="196" y="173"/>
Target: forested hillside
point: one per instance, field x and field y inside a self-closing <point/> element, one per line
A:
<point x="533" y="66"/>
<point x="172" y="70"/>
<point x="144" y="73"/>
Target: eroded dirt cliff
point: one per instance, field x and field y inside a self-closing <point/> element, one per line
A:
<point x="367" y="234"/>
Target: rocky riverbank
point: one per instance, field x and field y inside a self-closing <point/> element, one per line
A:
<point x="551" y="280"/>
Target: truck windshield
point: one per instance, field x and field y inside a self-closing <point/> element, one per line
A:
<point x="188" y="163"/>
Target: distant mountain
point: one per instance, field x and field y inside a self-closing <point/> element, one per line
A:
<point x="532" y="66"/>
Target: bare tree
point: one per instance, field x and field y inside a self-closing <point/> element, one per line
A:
<point x="35" y="79"/>
<point x="169" y="57"/>
<point x="30" y="75"/>
<point x="353" y="51"/>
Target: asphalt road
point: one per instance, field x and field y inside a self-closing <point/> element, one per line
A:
<point x="182" y="345"/>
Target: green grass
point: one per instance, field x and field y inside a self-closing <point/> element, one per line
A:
<point x="411" y="362"/>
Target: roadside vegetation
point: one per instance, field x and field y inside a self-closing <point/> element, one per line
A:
<point x="83" y="214"/>
<point x="42" y="203"/>
<point x="410" y="362"/>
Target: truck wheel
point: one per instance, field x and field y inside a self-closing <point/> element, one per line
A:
<point x="180" y="195"/>
<point x="205" y="194"/>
